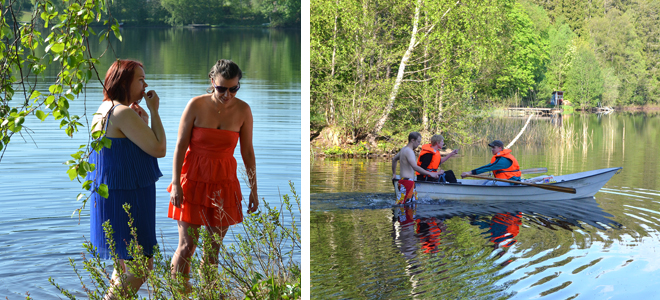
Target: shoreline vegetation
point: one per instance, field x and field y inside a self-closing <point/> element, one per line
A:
<point x="261" y="264"/>
<point x="382" y="69"/>
<point x="184" y="13"/>
<point x="327" y="142"/>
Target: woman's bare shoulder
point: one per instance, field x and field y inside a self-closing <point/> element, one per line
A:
<point x="242" y="105"/>
<point x="198" y="102"/>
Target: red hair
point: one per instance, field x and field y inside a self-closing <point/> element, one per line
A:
<point x="118" y="79"/>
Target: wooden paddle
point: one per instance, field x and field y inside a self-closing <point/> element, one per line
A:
<point x="543" y="186"/>
<point x="532" y="171"/>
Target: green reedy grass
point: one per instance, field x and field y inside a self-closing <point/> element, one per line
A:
<point x="262" y="264"/>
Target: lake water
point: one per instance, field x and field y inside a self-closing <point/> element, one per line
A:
<point x="37" y="232"/>
<point x="605" y="247"/>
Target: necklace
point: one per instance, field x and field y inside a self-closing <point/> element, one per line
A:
<point x="216" y="104"/>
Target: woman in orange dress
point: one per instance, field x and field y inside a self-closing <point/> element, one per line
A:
<point x="205" y="189"/>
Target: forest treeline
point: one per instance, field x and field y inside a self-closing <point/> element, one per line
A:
<point x="387" y="67"/>
<point x="276" y="13"/>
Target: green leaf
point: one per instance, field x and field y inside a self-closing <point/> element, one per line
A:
<point x="41" y="115"/>
<point x="49" y="100"/>
<point x="87" y="185"/>
<point x="73" y="173"/>
<point x="106" y="142"/>
<point x="82" y="169"/>
<point x="35" y="94"/>
<point x="80" y="196"/>
<point x="103" y="191"/>
<point x="57" y="48"/>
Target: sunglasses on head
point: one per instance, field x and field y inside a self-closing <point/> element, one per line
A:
<point x="222" y="89"/>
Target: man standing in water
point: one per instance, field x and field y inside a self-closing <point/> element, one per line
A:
<point x="408" y="168"/>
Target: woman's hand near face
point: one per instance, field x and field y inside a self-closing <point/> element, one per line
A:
<point x="141" y="112"/>
<point x="153" y="102"/>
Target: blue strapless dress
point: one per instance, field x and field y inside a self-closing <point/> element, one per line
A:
<point x="131" y="176"/>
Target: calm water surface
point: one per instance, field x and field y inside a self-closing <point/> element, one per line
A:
<point x="604" y="247"/>
<point x="38" y="234"/>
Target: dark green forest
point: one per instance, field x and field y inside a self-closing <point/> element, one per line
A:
<point x="382" y="68"/>
<point x="270" y="13"/>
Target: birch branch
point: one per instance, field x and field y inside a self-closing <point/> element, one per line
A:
<point x="521" y="132"/>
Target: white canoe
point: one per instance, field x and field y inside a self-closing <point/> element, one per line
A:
<point x="586" y="184"/>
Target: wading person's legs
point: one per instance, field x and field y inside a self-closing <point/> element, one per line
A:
<point x="185" y="249"/>
<point x="215" y="243"/>
<point x="128" y="280"/>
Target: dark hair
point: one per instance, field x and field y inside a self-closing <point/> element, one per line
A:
<point x="227" y="69"/>
<point x="118" y="79"/>
<point x="413" y="136"/>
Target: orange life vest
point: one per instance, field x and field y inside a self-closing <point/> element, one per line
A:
<point x="435" y="161"/>
<point x="513" y="170"/>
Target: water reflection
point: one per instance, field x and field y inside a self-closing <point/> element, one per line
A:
<point x="447" y="249"/>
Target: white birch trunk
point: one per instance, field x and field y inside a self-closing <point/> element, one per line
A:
<point x="399" y="76"/>
<point x="331" y="108"/>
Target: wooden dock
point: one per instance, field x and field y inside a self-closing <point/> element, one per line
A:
<point x="543" y="111"/>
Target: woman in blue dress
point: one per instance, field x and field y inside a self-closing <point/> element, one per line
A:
<point x="129" y="167"/>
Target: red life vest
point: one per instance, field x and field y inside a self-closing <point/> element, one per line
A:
<point x="435" y="161"/>
<point x="512" y="171"/>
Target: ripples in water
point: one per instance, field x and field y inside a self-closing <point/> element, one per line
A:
<point x="363" y="247"/>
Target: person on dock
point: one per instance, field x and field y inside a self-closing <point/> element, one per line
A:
<point x="205" y="190"/>
<point x="408" y="168"/>
<point x="502" y="164"/>
<point x="430" y="159"/>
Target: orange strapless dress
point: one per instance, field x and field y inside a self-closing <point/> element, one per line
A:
<point x="211" y="190"/>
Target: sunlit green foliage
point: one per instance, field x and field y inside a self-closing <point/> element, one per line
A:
<point x="57" y="39"/>
<point x="585" y="80"/>
<point x="261" y="264"/>
<point x="276" y="13"/>
<point x="471" y="57"/>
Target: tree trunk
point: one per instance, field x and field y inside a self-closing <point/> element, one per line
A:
<point x="440" y="100"/>
<point x="425" y="96"/>
<point x="399" y="76"/>
<point x="331" y="105"/>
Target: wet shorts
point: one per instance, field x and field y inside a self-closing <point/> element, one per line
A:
<point x="407" y="191"/>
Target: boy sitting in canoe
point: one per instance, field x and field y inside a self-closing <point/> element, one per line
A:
<point x="502" y="164"/>
<point x="408" y="168"/>
<point x="430" y="160"/>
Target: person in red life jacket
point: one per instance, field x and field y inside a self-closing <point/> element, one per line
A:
<point x="430" y="160"/>
<point x="502" y="227"/>
<point x="429" y="231"/>
<point x="502" y="164"/>
<point x="406" y="184"/>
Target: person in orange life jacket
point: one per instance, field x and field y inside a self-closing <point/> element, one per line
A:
<point x="503" y="228"/>
<point x="503" y="164"/>
<point x="408" y="168"/>
<point x="430" y="160"/>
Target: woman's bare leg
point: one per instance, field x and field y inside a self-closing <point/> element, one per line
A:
<point x="185" y="249"/>
<point x="215" y="244"/>
<point x="128" y="280"/>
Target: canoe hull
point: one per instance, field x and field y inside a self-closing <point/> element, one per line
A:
<point x="586" y="184"/>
